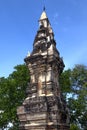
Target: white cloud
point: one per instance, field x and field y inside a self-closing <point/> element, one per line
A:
<point x="55" y="18"/>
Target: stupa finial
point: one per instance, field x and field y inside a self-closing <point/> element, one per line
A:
<point x="44" y="8"/>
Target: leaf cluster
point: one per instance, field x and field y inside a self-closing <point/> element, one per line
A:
<point x="73" y="83"/>
<point x="12" y="94"/>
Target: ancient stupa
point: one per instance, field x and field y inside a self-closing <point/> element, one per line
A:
<point x="44" y="107"/>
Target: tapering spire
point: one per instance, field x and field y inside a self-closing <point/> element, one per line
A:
<point x="44" y="21"/>
<point x="43" y="15"/>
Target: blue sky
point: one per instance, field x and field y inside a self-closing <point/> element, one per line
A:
<point x="19" y="24"/>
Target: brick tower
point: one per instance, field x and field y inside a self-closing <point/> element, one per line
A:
<point x="44" y="108"/>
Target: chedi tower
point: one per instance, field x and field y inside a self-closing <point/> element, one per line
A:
<point x="44" y="108"/>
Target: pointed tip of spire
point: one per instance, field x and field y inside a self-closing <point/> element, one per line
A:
<point x="43" y="15"/>
<point x="44" y="8"/>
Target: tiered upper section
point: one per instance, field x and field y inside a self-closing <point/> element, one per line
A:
<point x="44" y="63"/>
<point x="44" y="44"/>
<point x="44" y="34"/>
<point x="44" y="22"/>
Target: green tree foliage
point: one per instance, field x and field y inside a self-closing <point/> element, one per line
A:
<point x="74" y="127"/>
<point x="65" y="82"/>
<point x="12" y="94"/>
<point x="74" y="86"/>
